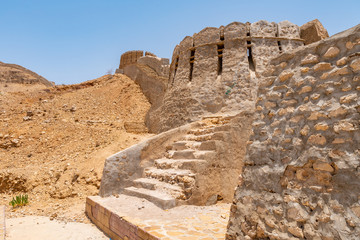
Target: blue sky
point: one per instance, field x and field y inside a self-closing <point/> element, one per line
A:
<point x="74" y="41"/>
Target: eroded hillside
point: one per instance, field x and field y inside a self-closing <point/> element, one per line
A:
<point x="12" y="73"/>
<point x="53" y="141"/>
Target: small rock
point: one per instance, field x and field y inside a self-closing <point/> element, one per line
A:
<point x="53" y="216"/>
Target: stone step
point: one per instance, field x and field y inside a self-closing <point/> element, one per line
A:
<point x="185" y="178"/>
<point x="205" y="137"/>
<point x="207" y="145"/>
<point x="223" y="128"/>
<point x="191" y="154"/>
<point x="152" y="184"/>
<point x="201" y="131"/>
<point x="174" y="190"/>
<point x="182" y="145"/>
<point x="161" y="199"/>
<point x="182" y="154"/>
<point x="191" y="164"/>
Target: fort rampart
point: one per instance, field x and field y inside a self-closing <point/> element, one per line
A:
<point x="215" y="70"/>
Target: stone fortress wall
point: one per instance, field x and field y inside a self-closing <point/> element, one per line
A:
<point x="160" y="65"/>
<point x="301" y="173"/>
<point x="214" y="70"/>
<point x="130" y="57"/>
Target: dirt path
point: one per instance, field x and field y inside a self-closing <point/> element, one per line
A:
<point x="38" y="227"/>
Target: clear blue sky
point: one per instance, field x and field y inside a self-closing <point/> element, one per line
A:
<point x="78" y="40"/>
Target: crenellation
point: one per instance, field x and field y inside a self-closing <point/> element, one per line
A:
<point x="266" y="45"/>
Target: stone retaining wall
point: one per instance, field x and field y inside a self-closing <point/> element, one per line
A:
<point x="301" y="177"/>
<point x="114" y="225"/>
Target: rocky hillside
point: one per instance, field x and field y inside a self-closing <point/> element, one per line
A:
<point x="53" y="141"/>
<point x="12" y="73"/>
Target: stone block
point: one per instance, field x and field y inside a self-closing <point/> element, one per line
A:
<point x="332" y="52"/>
<point x="323" y="166"/>
<point x="322" y="67"/>
<point x="284" y="76"/>
<point x="355" y="65"/>
<point x="317" y="139"/>
<point x="310" y="59"/>
<point x="313" y="31"/>
<point x="135" y="127"/>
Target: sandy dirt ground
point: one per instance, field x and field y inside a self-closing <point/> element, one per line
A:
<point x="54" y="142"/>
<point x="39" y="227"/>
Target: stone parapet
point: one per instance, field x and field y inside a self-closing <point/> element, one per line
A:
<point x="159" y="65"/>
<point x="129" y="58"/>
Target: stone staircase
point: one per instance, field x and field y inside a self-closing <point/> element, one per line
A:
<point x="172" y="180"/>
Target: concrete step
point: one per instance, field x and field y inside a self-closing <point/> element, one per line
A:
<point x="174" y="190"/>
<point x="161" y="199"/>
<point x="191" y="164"/>
<point x="185" y="178"/>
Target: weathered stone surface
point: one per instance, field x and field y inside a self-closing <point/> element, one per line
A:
<point x="317" y="139"/>
<point x="323" y="166"/>
<point x="289" y="30"/>
<point x="310" y="59"/>
<point x="322" y="126"/>
<point x="215" y="70"/>
<point x="322" y="67"/>
<point x="355" y="65"/>
<point x="313" y="31"/>
<point x="306" y="156"/>
<point x="130" y="57"/>
<point x="284" y="76"/>
<point x="332" y="52"/>
<point x="341" y="61"/>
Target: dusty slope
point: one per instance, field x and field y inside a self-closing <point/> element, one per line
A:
<point x="53" y="142"/>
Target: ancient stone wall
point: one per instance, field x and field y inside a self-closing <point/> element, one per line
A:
<point x="129" y="58"/>
<point x="301" y="177"/>
<point x="159" y="65"/>
<point x="215" y="70"/>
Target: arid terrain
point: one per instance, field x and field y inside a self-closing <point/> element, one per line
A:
<point x="54" y="141"/>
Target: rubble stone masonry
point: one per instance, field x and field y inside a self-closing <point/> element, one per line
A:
<point x="301" y="177"/>
<point x="214" y="71"/>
